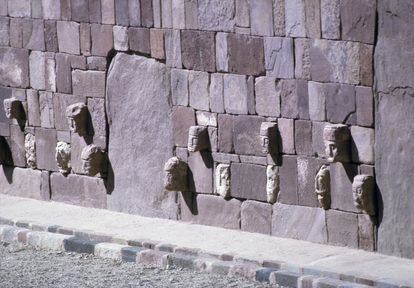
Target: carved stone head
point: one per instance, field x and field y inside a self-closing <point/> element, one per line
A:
<point x="197" y="138"/>
<point x="175" y="175"/>
<point x="93" y="160"/>
<point x="337" y="139"/>
<point x="62" y="156"/>
<point x="268" y="137"/>
<point x="272" y="184"/>
<point x="13" y="108"/>
<point x="323" y="187"/>
<point x="77" y="115"/>
<point x="222" y="180"/>
<point x="30" y="149"/>
<point x="363" y="193"/>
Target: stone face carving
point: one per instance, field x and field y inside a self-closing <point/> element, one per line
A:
<point x="336" y="138"/>
<point x="30" y="148"/>
<point x="222" y="178"/>
<point x="272" y="185"/>
<point x="13" y="108"/>
<point x="363" y="193"/>
<point x="62" y="155"/>
<point x="93" y="161"/>
<point x="323" y="186"/>
<point x="197" y="138"/>
<point x="77" y="115"/>
<point x="268" y="137"/>
<point x="175" y="175"/>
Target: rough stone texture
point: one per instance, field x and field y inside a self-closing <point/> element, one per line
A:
<point x="342" y="228"/>
<point x="261" y="16"/>
<point x="51" y="9"/>
<point x="330" y="19"/>
<point x="178" y="14"/>
<point x="166" y="13"/>
<point x="19" y="8"/>
<point x="288" y="181"/>
<point x="65" y="9"/>
<point x="200" y="176"/>
<point x="157" y="44"/>
<point x="216" y="93"/>
<point x="173" y="48"/>
<point x="246" y="135"/>
<point x="85" y="39"/>
<point x="4" y="31"/>
<point x="179" y="87"/>
<point x="120" y="38"/>
<point x="191" y="14"/>
<point x="108" y="11"/>
<point x="246" y="55"/>
<point x="139" y="40"/>
<point x="317" y="138"/>
<point x="17" y="146"/>
<point x="236" y="94"/>
<point x="198" y="51"/>
<point x="198" y="84"/>
<point x="302" y="59"/>
<point x="147" y="17"/>
<point x="37" y="68"/>
<point x="47" y="117"/>
<point x="248" y="181"/>
<point x="307" y="170"/>
<point x="182" y="118"/>
<point x="267" y="97"/>
<point x="95" y="15"/>
<point x="216" y="15"/>
<point x="225" y="133"/>
<point x="140" y="193"/>
<point x="366" y="68"/>
<point x="88" y="83"/>
<point x="303" y="137"/>
<point x="14" y="67"/>
<point x="222" y="57"/>
<point x="366" y="233"/>
<point x="340" y="102"/>
<point x="364" y="106"/>
<point x="303" y="223"/>
<point x="295" y="18"/>
<point x="362" y="145"/>
<point x="78" y="190"/>
<point x="102" y="39"/>
<point x="342" y="176"/>
<point x="63" y="73"/>
<point x="256" y="217"/>
<point x="317" y="100"/>
<point x="287" y="135"/>
<point x="33" y="107"/>
<point x="80" y="10"/>
<point x="33" y="35"/>
<point x="68" y="37"/>
<point x="206" y="118"/>
<point x="294" y="98"/>
<point x="279" y="57"/>
<point x="243" y="13"/>
<point x="313" y="18"/>
<point x="96" y="108"/>
<point x="45" y="146"/>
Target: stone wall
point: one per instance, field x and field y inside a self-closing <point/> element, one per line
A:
<point x="258" y="82"/>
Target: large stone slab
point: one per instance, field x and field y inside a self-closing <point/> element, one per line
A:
<point x="14" y="67"/>
<point x="248" y="181"/>
<point x="342" y="228"/>
<point x="198" y="51"/>
<point x="216" y="15"/>
<point x="138" y="95"/>
<point x="256" y="217"/>
<point x="246" y="135"/>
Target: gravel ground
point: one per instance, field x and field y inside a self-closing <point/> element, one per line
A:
<point x="22" y="266"/>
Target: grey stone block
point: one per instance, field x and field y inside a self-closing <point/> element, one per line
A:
<point x="302" y="59"/>
<point x="96" y="108"/>
<point x="288" y="181"/>
<point x="330" y="19"/>
<point x="236" y="94"/>
<point x="261" y="17"/>
<point x="364" y="106"/>
<point x="78" y="62"/>
<point x="19" y="8"/>
<point x="166" y="13"/>
<point x="51" y="9"/>
<point x="51" y="40"/>
<point x="95" y="14"/>
<point x="37" y="66"/>
<point x="17" y="146"/>
<point x="340" y="102"/>
<point x="183" y="118"/>
<point x="243" y="13"/>
<point x="33" y="35"/>
<point x="362" y="145"/>
<point x="78" y="143"/>
<point x="206" y="118"/>
<point x="5" y="93"/>
<point x="80" y="10"/>
<point x="294" y="98"/>
<point x="46" y="141"/>
<point x="317" y="101"/>
<point x="366" y="60"/>
<point x="198" y="50"/>
<point x="246" y="54"/>
<point x="85" y="39"/>
<point x="102" y="39"/>
<point x="178" y="14"/>
<point x="16" y="32"/>
<point x="179" y="87"/>
<point x="248" y="181"/>
<point x="198" y="83"/>
<point x="295" y="18"/>
<point x="200" y="169"/>
<point x="299" y="222"/>
<point x="317" y="138"/>
<point x="222" y="56"/>
<point x="256" y="217"/>
<point x="225" y="158"/>
<point x="307" y="170"/>
<point x="68" y="37"/>
<point x="65" y="9"/>
<point x="37" y="9"/>
<point x="4" y="31"/>
<point x="147" y="16"/>
<point x="156" y="8"/>
<point x="279" y="57"/>
<point x="191" y="14"/>
<point x="63" y="73"/>
<point x="47" y="118"/>
<point x="78" y="190"/>
<point x="108" y="11"/>
<point x="366" y="232"/>
<point x="96" y="63"/>
<point x="342" y="228"/>
<point x="287" y="134"/>
<point x="246" y="135"/>
<point x="253" y="160"/>
<point x="225" y="133"/>
<point x="279" y="17"/>
<point x="313" y="18"/>
<point x="342" y="176"/>
<point x="157" y="44"/>
<point x="139" y="40"/>
<point x="120" y="38"/>
<point x="303" y="137"/>
<point x="173" y="48"/>
<point x="217" y="93"/>
<point x="11" y="58"/>
<point x="33" y="107"/>
<point x="216" y="15"/>
<point x="89" y="83"/>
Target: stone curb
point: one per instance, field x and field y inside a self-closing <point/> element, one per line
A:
<point x="149" y="252"/>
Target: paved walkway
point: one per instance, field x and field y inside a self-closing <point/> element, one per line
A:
<point x="212" y="240"/>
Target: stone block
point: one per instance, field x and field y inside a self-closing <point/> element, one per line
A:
<point x="80" y="10"/>
<point x="198" y="50"/>
<point x="216" y="93"/>
<point x="96" y="63"/>
<point x="294" y="98"/>
<point x="173" y="48"/>
<point x="157" y="44"/>
<point x="287" y="134"/>
<point x="3" y="8"/>
<point x="89" y="83"/>
<point x="37" y="68"/>
<point x="19" y="8"/>
<point x="307" y="170"/>
<point x="102" y="39"/>
<point x="46" y="109"/>
<point x="364" y="106"/>
<point x="279" y="17"/>
<point x="246" y="54"/>
<point x="85" y="39"/>
<point x="78" y="143"/>
<point x="366" y="59"/>
<point x="65" y="9"/>
<point x="216" y="15"/>
<point x="358" y="20"/>
<point x="330" y="19"/>
<point x="342" y="176"/>
<point x="246" y="135"/>
<point x="342" y="228"/>
<point x="279" y="57"/>
<point x="33" y="108"/>
<point x="95" y="14"/>
<point x="63" y="73"/>
<point x="183" y="118"/>
<point x="9" y="75"/>
<point x="147" y="16"/>
<point x="46" y="141"/>
<point x="366" y="232"/>
<point x="198" y="84"/>
<point x="362" y="145"/>
<point x="261" y="17"/>
<point x="303" y="137"/>
<point x="108" y="11"/>
<point x="340" y="102"/>
<point x="166" y="13"/>
<point x="60" y="103"/>
<point x="313" y="18"/>
<point x="120" y="38"/>
<point x="256" y="217"/>
<point x="16" y="32"/>
<point x="78" y="190"/>
<point x="191" y="14"/>
<point x="200" y="172"/>
<point x="222" y="56"/>
<point x="51" y="40"/>
<point x="4" y="31"/>
<point x="206" y="118"/>
<point x="284" y="278"/>
<point x="299" y="222"/>
<point x="317" y="101"/>
<point x="243" y="13"/>
<point x="51" y="9"/>
<point x="236" y="93"/>
<point x="248" y="181"/>
<point x="302" y="59"/>
<point x="139" y="40"/>
<point x="179" y="87"/>
<point x="134" y="7"/>
<point x="295" y="18"/>
<point x="317" y="138"/>
<point x="16" y="145"/>
<point x="288" y="181"/>
<point x="78" y="62"/>
<point x="178" y="14"/>
<point x="225" y="158"/>
<point x="225" y="133"/>
<point x="68" y="37"/>
<point x="33" y="35"/>
<point x="50" y="72"/>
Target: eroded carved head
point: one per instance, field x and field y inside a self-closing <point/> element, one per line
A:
<point x="272" y="184"/>
<point x="197" y="138"/>
<point x="62" y="157"/>
<point x="223" y="180"/>
<point x="30" y="149"/>
<point x="268" y="137"/>
<point x="363" y="193"/>
<point x="77" y="115"/>
<point x="337" y="139"/>
<point x="323" y="187"/>
<point x="13" y="108"/>
<point x="93" y="161"/>
<point x="175" y="175"/>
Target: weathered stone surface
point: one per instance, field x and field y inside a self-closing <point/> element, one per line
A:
<point x="191" y="14"/>
<point x="248" y="181"/>
<point x="246" y="135"/>
<point x="342" y="228"/>
<point x="157" y="44"/>
<point x="173" y="48"/>
<point x="108" y="11"/>
<point x="14" y="67"/>
<point x="147" y="17"/>
<point x="3" y="8"/>
<point x="78" y="190"/>
<point x="50" y="9"/>
<point x="302" y="59"/>
<point x="80" y="10"/>
<point x="322" y="186"/>
<point x="272" y="184"/>
<point x="46" y="143"/>
<point x="256" y="217"/>
<point x="102" y="39"/>
<point x="246" y="54"/>
<point x="261" y="16"/>
<point x="317" y="100"/>
<point x="217" y="93"/>
<point x="211" y="210"/>
<point x="267" y="97"/>
<point x="198" y="51"/>
<point x="4" y="31"/>
<point x="287" y="135"/>
<point x="175" y="175"/>
<point x="47" y="117"/>
<point x="236" y="94"/>
<point x="16" y="32"/>
<point x="295" y="18"/>
<point x="37" y="68"/>
<point x="279" y="17"/>
<point x="19" y="8"/>
<point x="313" y="18"/>
<point x="363" y="191"/>
<point x="198" y="139"/>
<point x="179" y="87"/>
<point x="303" y="137"/>
<point x="342" y="176"/>
<point x="30" y="148"/>
<point x="366" y="69"/>
<point x="138" y="79"/>
<point x="68" y="37"/>
<point x="33" y="107"/>
<point x="206" y="118"/>
<point x="94" y="161"/>
<point x="294" y="98"/>
<point x="366" y="233"/>
<point x="85" y="39"/>
<point x="50" y="72"/>
<point x="279" y="57"/>
<point x="178" y="14"/>
<point x="364" y="106"/>
<point x="95" y="15"/>
<point x="225" y="133"/>
<point x="243" y="13"/>
<point x="17" y="146"/>
<point x="340" y="102"/>
<point x="288" y="180"/>
<point x="317" y="138"/>
<point x="222" y="180"/>
<point x="222" y="56"/>
<point x="330" y="19"/>
<point x="62" y="156"/>
<point x="33" y="35"/>
<point x="139" y="40"/>
<point x="200" y="165"/>
<point x="88" y="83"/>
<point x="362" y="145"/>
<point x="337" y="143"/>
<point x="120" y="38"/>
<point x="78" y="143"/>
<point x="65" y="9"/>
<point x="96" y="108"/>
<point x="303" y="223"/>
<point x="166" y="13"/>
<point x="216" y="15"/>
<point x="198" y="84"/>
<point x="307" y="170"/>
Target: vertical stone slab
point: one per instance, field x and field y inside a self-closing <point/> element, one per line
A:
<point x="136" y="181"/>
<point x="256" y="217"/>
<point x="216" y="15"/>
<point x="14" y="68"/>
<point x="46" y="141"/>
<point x="17" y="146"/>
<point x="261" y="17"/>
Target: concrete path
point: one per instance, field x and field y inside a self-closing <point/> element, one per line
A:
<point x="214" y="240"/>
